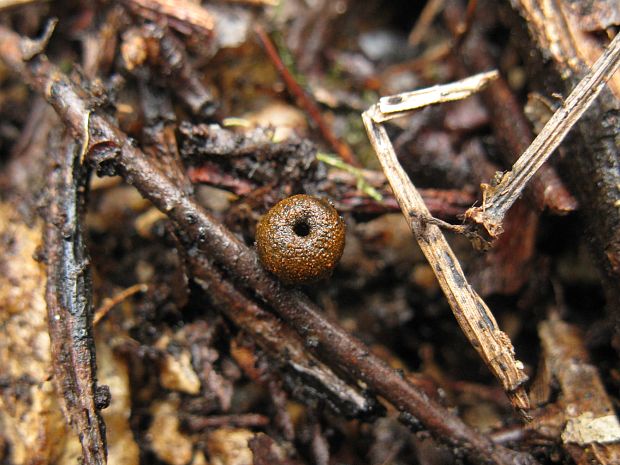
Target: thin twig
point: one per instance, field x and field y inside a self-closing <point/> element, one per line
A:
<point x="437" y="52"/>
<point x="466" y="25"/>
<point x="426" y="18"/>
<point x="109" y="303"/>
<point x="110" y="150"/>
<point x="304" y="100"/>
<point x="471" y="312"/>
<point x="499" y="197"/>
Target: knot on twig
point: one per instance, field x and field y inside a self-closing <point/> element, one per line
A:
<point x="480" y="228"/>
<point x="103" y="155"/>
<point x="103" y="397"/>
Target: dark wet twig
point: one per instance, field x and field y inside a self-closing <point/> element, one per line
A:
<point x="278" y="340"/>
<point x="308" y="104"/>
<point x="159" y="133"/>
<point x="69" y="300"/>
<point x="111" y="151"/>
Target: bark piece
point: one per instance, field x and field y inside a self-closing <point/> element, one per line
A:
<point x="69" y="300"/>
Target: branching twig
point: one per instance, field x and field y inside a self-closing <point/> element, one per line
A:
<point x="473" y="315"/>
<point x="499" y="197"/>
<point x="111" y="151"/>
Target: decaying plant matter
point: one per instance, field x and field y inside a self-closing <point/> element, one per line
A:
<point x="136" y="168"/>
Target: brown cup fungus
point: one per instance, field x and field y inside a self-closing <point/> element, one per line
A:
<point x="300" y="239"/>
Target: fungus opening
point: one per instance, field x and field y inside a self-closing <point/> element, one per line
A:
<point x="301" y="228"/>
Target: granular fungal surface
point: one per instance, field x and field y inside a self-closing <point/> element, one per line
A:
<point x="301" y="239"/>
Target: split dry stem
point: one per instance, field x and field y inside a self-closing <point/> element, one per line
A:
<point x="473" y="315"/>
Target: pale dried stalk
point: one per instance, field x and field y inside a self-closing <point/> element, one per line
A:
<point x="474" y="317"/>
<point x="498" y="198"/>
<point x="395" y="106"/>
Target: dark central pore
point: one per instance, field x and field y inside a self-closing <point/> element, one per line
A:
<point x="301" y="228"/>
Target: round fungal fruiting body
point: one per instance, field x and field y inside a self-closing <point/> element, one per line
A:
<point x="300" y="239"/>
